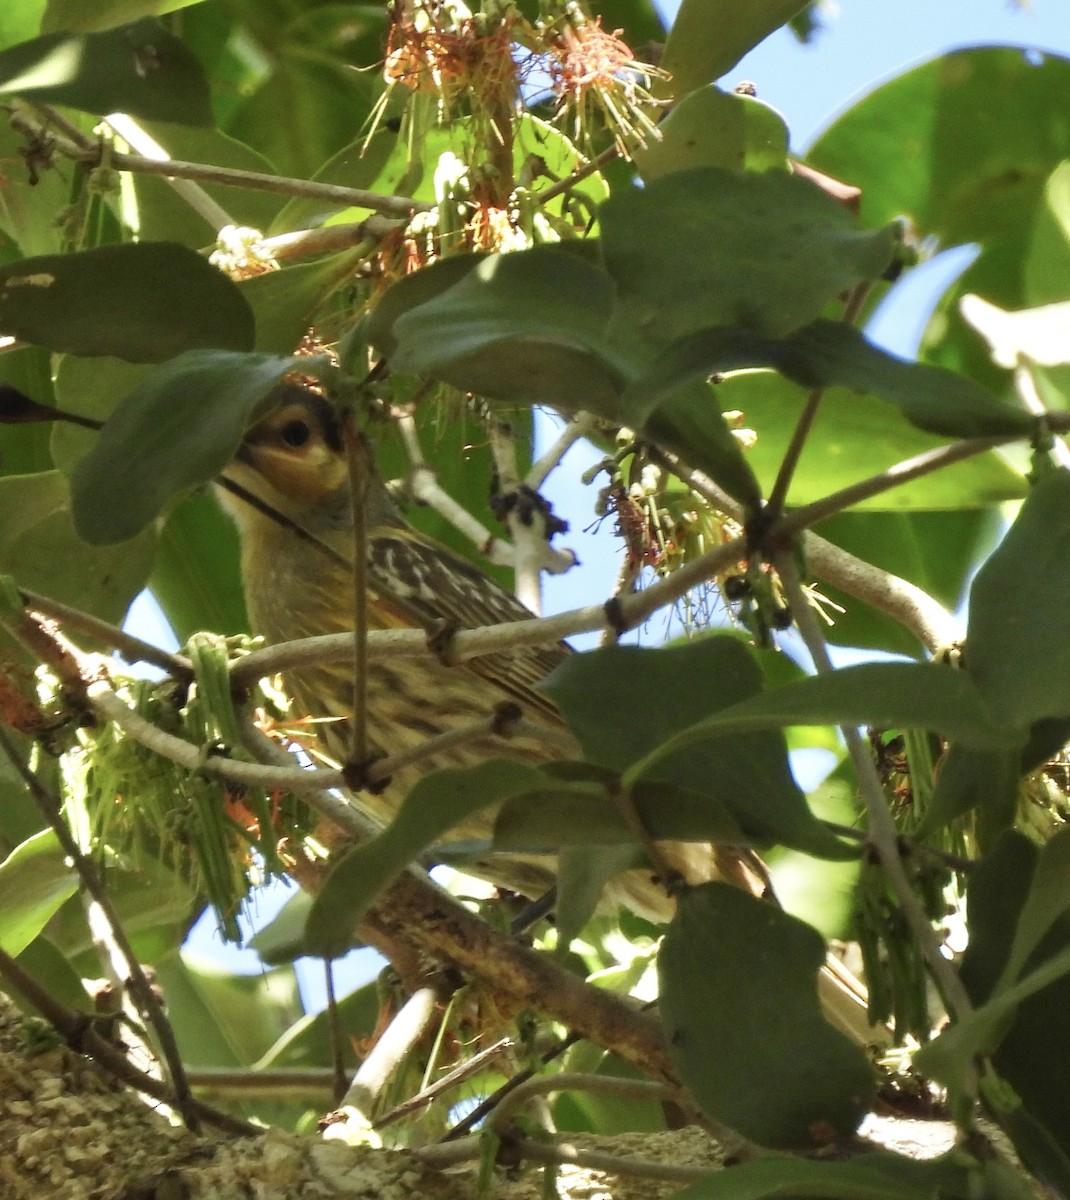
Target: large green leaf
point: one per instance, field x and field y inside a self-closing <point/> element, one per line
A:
<point x="177" y="429"/>
<point x="139" y="69"/>
<point x="711" y="128"/>
<point x="438" y="802"/>
<point x="830" y="354"/>
<point x="528" y="327"/>
<point x="708" y="38"/>
<point x="1019" y="627"/>
<point x="195" y="575"/>
<point x="72" y="16"/>
<point x="143" y="302"/>
<point x="708" y="247"/>
<point x="887" y="695"/>
<point x="738" y="995"/>
<point x="627" y="706"/>
<point x="963" y="145"/>
<point x="35" y="879"/>
<point x="41" y="550"/>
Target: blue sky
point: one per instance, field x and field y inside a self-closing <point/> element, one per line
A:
<point x="862" y="44"/>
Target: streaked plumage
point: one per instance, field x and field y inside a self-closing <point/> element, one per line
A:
<point x="294" y="461"/>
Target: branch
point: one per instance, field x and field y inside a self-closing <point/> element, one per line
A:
<point x="341" y="197"/>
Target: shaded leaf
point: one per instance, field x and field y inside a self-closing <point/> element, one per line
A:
<point x="585" y="814"/>
<point x="792" y="249"/>
<point x="627" y="706"/>
<point x="72" y="16"/>
<point x="177" y="429"/>
<point x="1019" y="624"/>
<point x="526" y="326"/>
<point x="885" y="695"/>
<point x="870" y="1177"/>
<point x="139" y="69"/>
<point x="738" y="995"/>
<point x="830" y="354"/>
<point x="438" y="802"/>
<point x="41" y="549"/>
<point x="144" y="302"/>
<point x="975" y="778"/>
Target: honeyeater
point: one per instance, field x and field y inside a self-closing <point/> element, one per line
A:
<point x="294" y="461"/>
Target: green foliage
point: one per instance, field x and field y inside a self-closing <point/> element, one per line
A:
<point x="445" y="245"/>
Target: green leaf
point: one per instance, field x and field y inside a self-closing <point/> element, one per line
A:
<point x="1047" y="263"/>
<point x="72" y="16"/>
<point x="690" y="423"/>
<point x="222" y="1019"/>
<point x="829" y="354"/>
<point x="285" y="303"/>
<point x="195" y="575"/>
<point x="627" y="706"/>
<point x="886" y="695"/>
<point x="869" y="1177"/>
<point x="525" y="327"/>
<point x="708" y="38"/>
<point x="437" y="803"/>
<point x="962" y="145"/>
<point x="1019" y="625"/>
<point x="1048" y="901"/>
<point x="854" y="437"/>
<point x="41" y="550"/>
<point x="53" y="971"/>
<point x="738" y="996"/>
<point x="586" y="815"/>
<point x="711" y="128"/>
<point x="144" y="302"/>
<point x="35" y="879"/>
<point x="975" y="778"/>
<point x="176" y="430"/>
<point x="139" y="69"/>
<point x="792" y="249"/>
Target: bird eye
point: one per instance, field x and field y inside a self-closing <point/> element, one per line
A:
<point x="295" y="433"/>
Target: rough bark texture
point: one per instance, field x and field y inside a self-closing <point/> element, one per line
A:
<point x="67" y="1132"/>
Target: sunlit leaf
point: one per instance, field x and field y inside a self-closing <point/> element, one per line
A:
<point x="35" y="879"/>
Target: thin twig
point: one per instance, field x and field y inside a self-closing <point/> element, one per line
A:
<point x="778" y="495"/>
<point x="885" y="481"/>
<point x="591" y="167"/>
<point x="576" y="429"/>
<point x="133" y="649"/>
<point x="575" y="1081"/>
<point x="334" y="194"/>
<point x="457" y="1075"/>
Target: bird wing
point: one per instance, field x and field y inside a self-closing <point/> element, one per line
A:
<point x="427" y="584"/>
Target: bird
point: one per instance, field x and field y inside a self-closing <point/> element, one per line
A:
<point x="293" y="462"/>
<point x="296" y="557"/>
